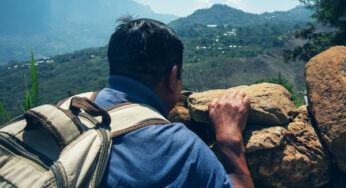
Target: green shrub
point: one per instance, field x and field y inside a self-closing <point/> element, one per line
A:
<point x="297" y="97"/>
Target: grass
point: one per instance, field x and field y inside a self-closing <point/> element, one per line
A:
<point x="29" y="103"/>
<point x="34" y="89"/>
<point x="298" y="98"/>
<point x="4" y="112"/>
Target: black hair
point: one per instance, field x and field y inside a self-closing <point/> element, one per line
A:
<point x="144" y="50"/>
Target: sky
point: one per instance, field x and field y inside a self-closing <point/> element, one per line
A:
<point x="184" y="8"/>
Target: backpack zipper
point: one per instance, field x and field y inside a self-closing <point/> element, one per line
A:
<point x="59" y="174"/>
<point x="103" y="157"/>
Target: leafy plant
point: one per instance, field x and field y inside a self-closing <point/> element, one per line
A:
<point x="329" y="29"/>
<point x="298" y="98"/>
<point x="4" y="112"/>
<point x="27" y="96"/>
<point x="279" y="80"/>
<point x="34" y="78"/>
<point x="34" y="91"/>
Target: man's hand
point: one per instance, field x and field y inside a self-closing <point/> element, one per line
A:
<point x="229" y="116"/>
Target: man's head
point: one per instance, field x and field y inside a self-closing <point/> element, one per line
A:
<point x="144" y="50"/>
<point x="151" y="53"/>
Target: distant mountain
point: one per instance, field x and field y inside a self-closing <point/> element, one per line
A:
<point x="222" y="14"/>
<point x="53" y="27"/>
<point x="299" y="13"/>
<point x="216" y="15"/>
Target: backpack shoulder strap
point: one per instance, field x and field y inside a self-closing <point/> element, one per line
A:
<point x="127" y="117"/>
<point x="65" y="104"/>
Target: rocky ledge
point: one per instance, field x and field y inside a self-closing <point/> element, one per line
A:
<point x="287" y="146"/>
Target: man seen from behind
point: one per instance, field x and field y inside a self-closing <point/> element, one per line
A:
<point x="145" y="60"/>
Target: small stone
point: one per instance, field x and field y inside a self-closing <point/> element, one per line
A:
<point x="264" y="139"/>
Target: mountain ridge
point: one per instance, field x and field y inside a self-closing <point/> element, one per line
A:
<point x="220" y="14"/>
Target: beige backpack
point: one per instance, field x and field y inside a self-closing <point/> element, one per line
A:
<point x="67" y="145"/>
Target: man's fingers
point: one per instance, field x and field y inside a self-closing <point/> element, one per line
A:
<point x="214" y="101"/>
<point x="236" y="98"/>
<point x="212" y="104"/>
<point x="247" y="100"/>
<point x="234" y="94"/>
<point x="242" y="94"/>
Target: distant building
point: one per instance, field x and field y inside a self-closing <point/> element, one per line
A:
<point x="306" y="98"/>
<point x="211" y="26"/>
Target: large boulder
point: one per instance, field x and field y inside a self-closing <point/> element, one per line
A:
<point x="271" y="104"/>
<point x="325" y="80"/>
<point x="289" y="156"/>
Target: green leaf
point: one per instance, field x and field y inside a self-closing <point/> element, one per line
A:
<point x="4" y="112"/>
<point x="22" y="107"/>
<point x="34" y="79"/>
<point x="27" y="96"/>
<point x="27" y="102"/>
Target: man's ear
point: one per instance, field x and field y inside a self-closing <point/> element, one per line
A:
<point x="172" y="82"/>
<point x="168" y="88"/>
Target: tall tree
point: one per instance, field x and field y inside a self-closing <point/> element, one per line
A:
<point x="328" y="30"/>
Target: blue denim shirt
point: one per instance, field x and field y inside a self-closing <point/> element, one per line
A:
<point x="157" y="155"/>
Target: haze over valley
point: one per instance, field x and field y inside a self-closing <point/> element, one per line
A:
<point x="53" y="27"/>
<point x="224" y="46"/>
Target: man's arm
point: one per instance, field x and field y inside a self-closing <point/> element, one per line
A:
<point x="229" y="116"/>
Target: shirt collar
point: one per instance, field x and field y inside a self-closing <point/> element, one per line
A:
<point x="134" y="91"/>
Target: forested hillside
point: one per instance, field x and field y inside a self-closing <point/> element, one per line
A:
<point x="223" y="14"/>
<point x="220" y="56"/>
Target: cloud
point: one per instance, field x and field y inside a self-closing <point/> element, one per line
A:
<point x="218" y="1"/>
<point x="239" y="4"/>
<point x="199" y="4"/>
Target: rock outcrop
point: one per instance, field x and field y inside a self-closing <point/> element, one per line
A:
<point x="278" y="155"/>
<point x="290" y="156"/>
<point x="271" y="104"/>
<point x="287" y="146"/>
<point x="180" y="112"/>
<point x="326" y="87"/>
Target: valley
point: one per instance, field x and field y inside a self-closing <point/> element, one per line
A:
<point x="217" y="55"/>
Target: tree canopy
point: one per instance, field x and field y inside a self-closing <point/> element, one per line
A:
<point x="328" y="30"/>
